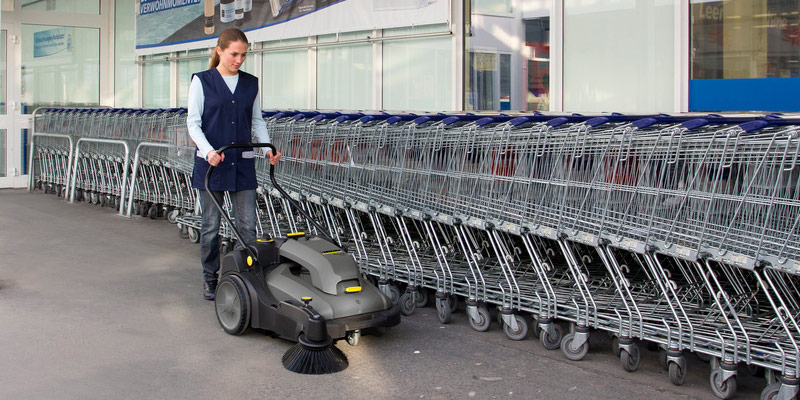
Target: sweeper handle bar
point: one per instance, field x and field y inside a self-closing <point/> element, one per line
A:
<point x="283" y="193"/>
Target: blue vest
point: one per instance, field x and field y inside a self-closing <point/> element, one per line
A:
<point x="227" y="119"/>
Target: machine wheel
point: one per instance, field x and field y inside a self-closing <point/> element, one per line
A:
<point x="677" y="375"/>
<point x="172" y="216"/>
<point x="232" y="305"/>
<point x="484" y="320"/>
<point x="722" y="389"/>
<point x="572" y="354"/>
<point x="353" y="338"/>
<point x="771" y="391"/>
<point x="443" y="311"/>
<point x="394" y="294"/>
<point x="183" y="232"/>
<point x="630" y="361"/>
<point x="551" y="342"/>
<point x="407" y="303"/>
<point x="423" y="297"/>
<point x="522" y="328"/>
<point x="194" y="235"/>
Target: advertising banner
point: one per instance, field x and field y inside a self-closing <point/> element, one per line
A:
<point x="52" y="41"/>
<point x="173" y="25"/>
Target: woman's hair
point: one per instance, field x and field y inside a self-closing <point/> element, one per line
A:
<point x="227" y="37"/>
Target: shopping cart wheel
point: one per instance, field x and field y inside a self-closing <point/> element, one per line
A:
<point x="703" y="357"/>
<point x="443" y="311"/>
<point x="535" y="326"/>
<point x="615" y="345"/>
<point x="194" y="235"/>
<point x="722" y="388"/>
<point x="225" y="247"/>
<point x="522" y="328"/>
<point x="662" y="358"/>
<point x="482" y="320"/>
<point x="408" y="303"/>
<point x="551" y="341"/>
<point x="677" y="374"/>
<point x="172" y="216"/>
<point x="572" y="353"/>
<point x="453" y="303"/>
<point x="183" y="232"/>
<point x="423" y="297"/>
<point x="394" y="294"/>
<point x="152" y="212"/>
<point x="630" y="360"/>
<point x="771" y="391"/>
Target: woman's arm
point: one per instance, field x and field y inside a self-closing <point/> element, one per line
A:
<point x="194" y="117"/>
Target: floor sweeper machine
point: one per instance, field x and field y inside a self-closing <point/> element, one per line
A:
<point x="303" y="287"/>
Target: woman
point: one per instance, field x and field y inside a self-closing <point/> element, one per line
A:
<point x="224" y="108"/>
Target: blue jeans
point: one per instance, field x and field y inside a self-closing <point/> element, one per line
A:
<point x="244" y="212"/>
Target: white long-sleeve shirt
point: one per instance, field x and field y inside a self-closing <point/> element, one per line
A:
<point x="194" y="117"/>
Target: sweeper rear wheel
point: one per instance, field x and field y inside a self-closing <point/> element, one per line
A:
<point x="232" y="305"/>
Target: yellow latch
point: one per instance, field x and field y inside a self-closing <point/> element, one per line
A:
<point x="293" y="234"/>
<point x="331" y="252"/>
<point x="353" y="289"/>
<point x="249" y="261"/>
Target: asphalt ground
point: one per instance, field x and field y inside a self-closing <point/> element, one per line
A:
<point x="97" y="306"/>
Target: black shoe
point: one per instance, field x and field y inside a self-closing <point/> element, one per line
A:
<point x="209" y="290"/>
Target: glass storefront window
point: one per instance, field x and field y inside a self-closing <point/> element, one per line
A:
<point x="743" y="39"/>
<point x="492" y="6"/>
<point x="537" y="46"/>
<point x="125" y="69"/>
<point x="3" y="73"/>
<point x="344" y="77"/>
<point x="156" y="82"/>
<point x="417" y="74"/>
<point x="284" y="79"/>
<point x="187" y="67"/>
<point x="69" y="6"/>
<point x="618" y="56"/>
<point x="60" y="66"/>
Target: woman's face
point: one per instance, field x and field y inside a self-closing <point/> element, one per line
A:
<point x="232" y="57"/>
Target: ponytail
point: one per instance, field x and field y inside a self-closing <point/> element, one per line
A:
<point x="227" y="37"/>
<point x="214" y="61"/>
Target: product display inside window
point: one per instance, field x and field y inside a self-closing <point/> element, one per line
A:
<point x="537" y="45"/>
<point x="741" y="39"/>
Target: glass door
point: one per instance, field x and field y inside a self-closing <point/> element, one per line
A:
<point x="12" y="173"/>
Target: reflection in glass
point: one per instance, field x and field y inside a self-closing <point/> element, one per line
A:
<point x="60" y="66"/>
<point x="537" y="43"/>
<point x="741" y="39"/>
<point x="3" y="73"/>
<point x="68" y="6"/>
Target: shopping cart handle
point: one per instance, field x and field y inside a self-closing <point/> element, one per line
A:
<point x="695" y="123"/>
<point x="519" y="121"/>
<point x="753" y="125"/>
<point x="597" y="121"/>
<point x="558" y="121"/>
<point x="644" y="122"/>
<point x="484" y="121"/>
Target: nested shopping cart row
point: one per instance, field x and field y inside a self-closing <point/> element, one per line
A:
<point x="676" y="231"/>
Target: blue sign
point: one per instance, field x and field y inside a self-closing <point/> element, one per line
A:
<point x="152" y="6"/>
<point x="53" y="41"/>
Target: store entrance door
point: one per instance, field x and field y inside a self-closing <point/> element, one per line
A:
<point x="13" y="124"/>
